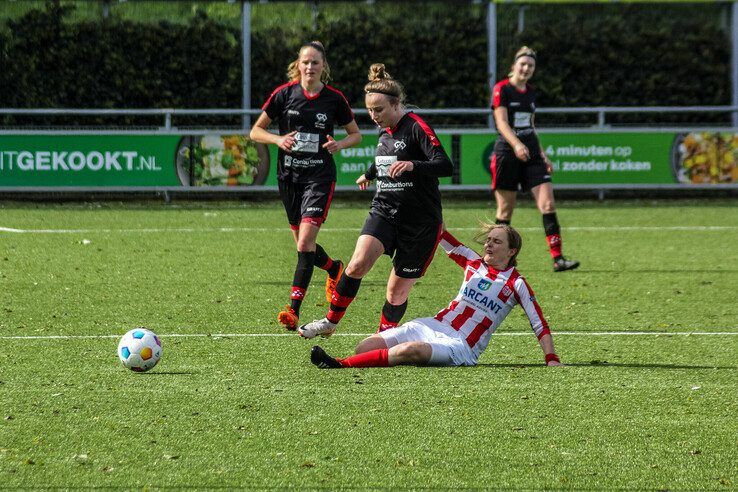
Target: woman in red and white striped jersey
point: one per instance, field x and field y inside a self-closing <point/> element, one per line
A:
<point x="458" y="334"/>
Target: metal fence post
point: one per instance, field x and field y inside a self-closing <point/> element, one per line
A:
<point x="734" y="61"/>
<point x="491" y="53"/>
<point x="246" y="57"/>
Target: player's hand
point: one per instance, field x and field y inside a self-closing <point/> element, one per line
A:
<point x="363" y="182"/>
<point x="286" y="142"/>
<point x="522" y="152"/>
<point x="331" y="145"/>
<point x="400" y="167"/>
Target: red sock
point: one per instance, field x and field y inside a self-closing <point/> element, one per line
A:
<point x="554" y="245"/>
<point x="384" y="324"/>
<point x="338" y="306"/>
<point x="373" y="358"/>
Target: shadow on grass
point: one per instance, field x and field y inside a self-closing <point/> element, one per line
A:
<point x="615" y="364"/>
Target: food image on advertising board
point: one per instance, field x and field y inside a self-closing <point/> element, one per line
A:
<point x="221" y="160"/>
<point x="705" y="158"/>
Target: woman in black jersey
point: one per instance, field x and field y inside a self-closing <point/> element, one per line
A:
<point x="307" y="110"/>
<point x="405" y="219"/>
<point x="518" y="160"/>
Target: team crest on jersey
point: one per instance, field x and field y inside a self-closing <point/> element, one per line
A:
<point x="320" y="120"/>
<point x="400" y="145"/>
<point x="506" y="291"/>
<point x="484" y="285"/>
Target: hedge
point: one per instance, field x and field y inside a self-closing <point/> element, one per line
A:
<point x="626" y="54"/>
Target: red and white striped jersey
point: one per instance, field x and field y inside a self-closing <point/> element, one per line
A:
<point x="485" y="298"/>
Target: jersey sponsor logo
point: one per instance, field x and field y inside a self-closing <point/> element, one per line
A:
<point x="293" y="112"/>
<point x="320" y="119"/>
<point x="522" y="119"/>
<point x="383" y="162"/>
<point x="306" y="143"/>
<point x="290" y="161"/>
<point x="394" y="186"/>
<point x="480" y="298"/>
<point x="400" y="145"/>
<point x="410" y="270"/>
<point x="484" y="285"/>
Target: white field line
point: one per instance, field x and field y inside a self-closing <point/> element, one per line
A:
<point x="269" y="335"/>
<point x="151" y="230"/>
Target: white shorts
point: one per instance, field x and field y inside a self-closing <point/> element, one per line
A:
<point x="448" y="350"/>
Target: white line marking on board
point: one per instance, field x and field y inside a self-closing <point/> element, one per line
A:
<point x="269" y="335"/>
<point x="347" y="229"/>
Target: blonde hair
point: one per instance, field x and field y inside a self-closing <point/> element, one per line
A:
<point x="293" y="70"/>
<point x="523" y="51"/>
<point x="381" y="82"/>
<point x="514" y="240"/>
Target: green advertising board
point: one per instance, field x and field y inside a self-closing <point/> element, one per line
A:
<point x="88" y="160"/>
<point x="353" y="162"/>
<point x="233" y="160"/>
<point x="586" y="158"/>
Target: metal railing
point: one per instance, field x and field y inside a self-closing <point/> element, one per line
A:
<point x="168" y="113"/>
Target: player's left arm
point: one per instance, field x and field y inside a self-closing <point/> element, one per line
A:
<point x="527" y="300"/>
<point x="352" y="138"/>
<point x="437" y="162"/>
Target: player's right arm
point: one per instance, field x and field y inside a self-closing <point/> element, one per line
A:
<point x="500" y="104"/>
<point x="456" y="250"/>
<point x="521" y="151"/>
<point x="259" y="133"/>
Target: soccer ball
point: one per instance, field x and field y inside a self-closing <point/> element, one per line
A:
<point x="139" y="350"/>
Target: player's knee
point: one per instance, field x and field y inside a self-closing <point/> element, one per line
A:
<point x="411" y="353"/>
<point x="358" y="267"/>
<point x="397" y="296"/>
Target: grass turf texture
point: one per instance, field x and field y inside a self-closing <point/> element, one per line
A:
<point x="640" y="411"/>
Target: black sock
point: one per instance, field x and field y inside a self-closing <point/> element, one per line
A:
<point x="301" y="280"/>
<point x="551" y="224"/>
<point x="392" y="314"/>
<point x="324" y="262"/>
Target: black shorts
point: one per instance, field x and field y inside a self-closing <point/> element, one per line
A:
<point x="306" y="202"/>
<point x="411" y="246"/>
<point x="510" y="173"/>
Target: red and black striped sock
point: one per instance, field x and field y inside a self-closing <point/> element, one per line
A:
<point x="391" y="315"/>
<point x="301" y="280"/>
<point x="345" y="292"/>
<point x="325" y="262"/>
<point x="553" y="234"/>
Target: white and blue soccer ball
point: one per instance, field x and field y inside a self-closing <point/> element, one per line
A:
<point x="139" y="350"/>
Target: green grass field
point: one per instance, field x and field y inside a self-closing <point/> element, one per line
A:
<point x="648" y="327"/>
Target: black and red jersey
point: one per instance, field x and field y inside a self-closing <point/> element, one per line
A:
<point x="521" y="106"/>
<point x="314" y="118"/>
<point x="414" y="195"/>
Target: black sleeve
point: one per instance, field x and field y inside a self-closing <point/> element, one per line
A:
<point x="438" y="163"/>
<point x="344" y="115"/>
<point x="274" y="106"/>
<point x="371" y="173"/>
